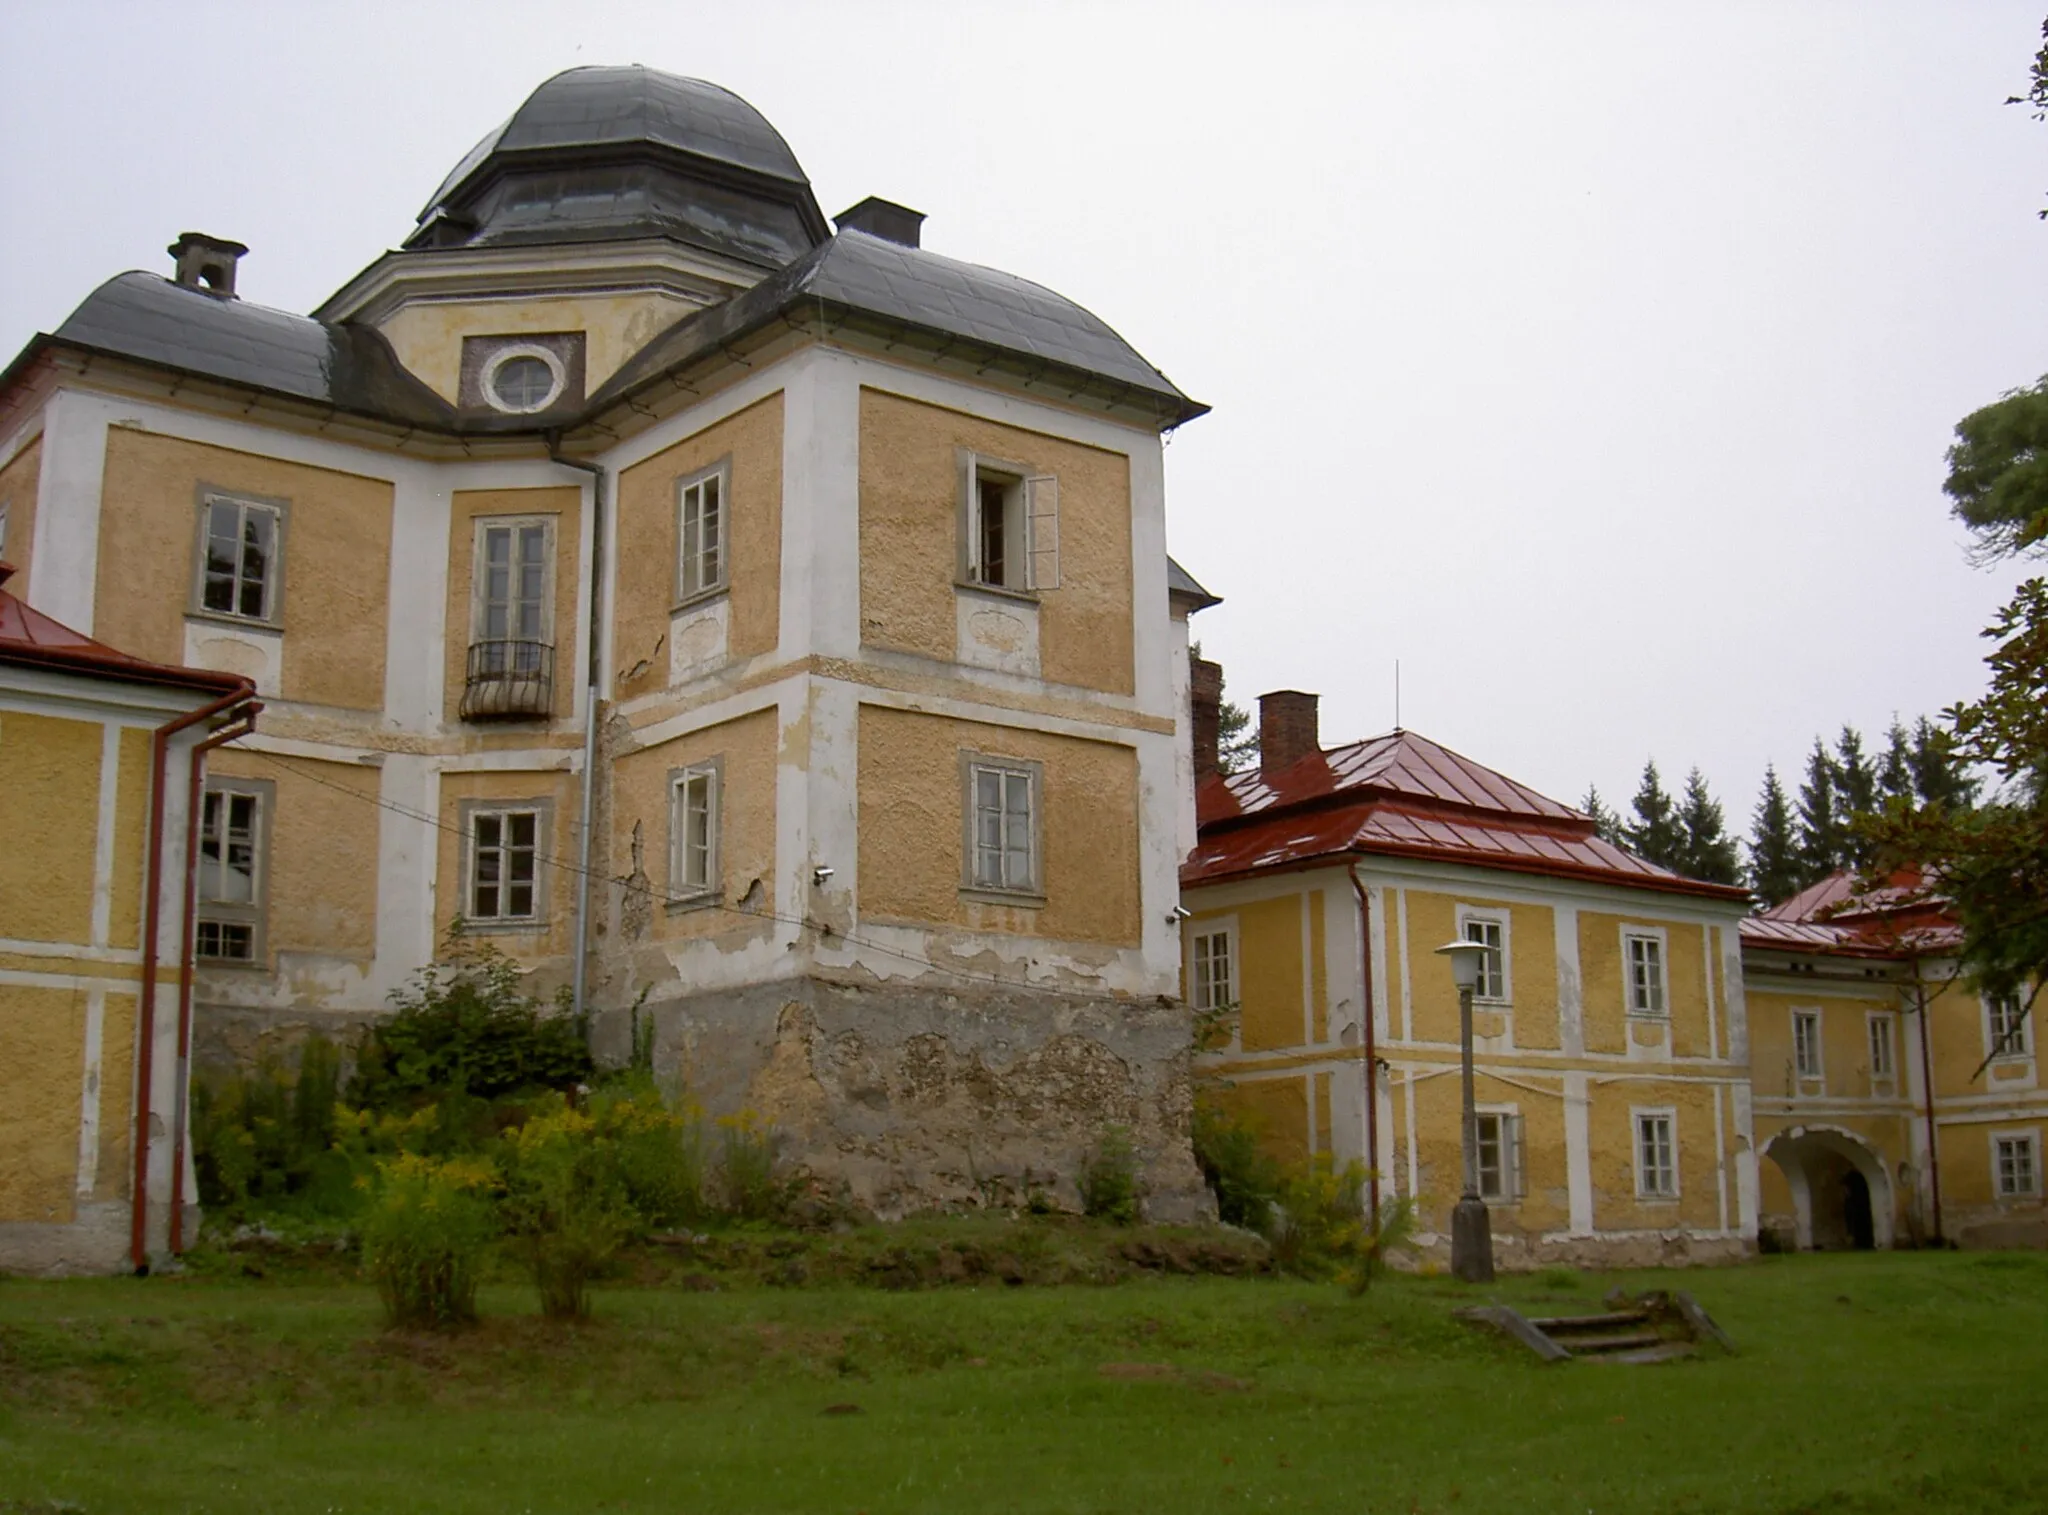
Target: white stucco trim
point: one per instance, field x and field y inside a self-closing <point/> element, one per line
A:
<point x="105" y="835"/>
<point x="1578" y="1153"/>
<point x="1401" y="941"/>
<point x="65" y="556"/>
<point x="75" y="951"/>
<point x="89" y="1093"/>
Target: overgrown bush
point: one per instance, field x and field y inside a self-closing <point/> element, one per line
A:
<point x="565" y="1207"/>
<point x="426" y="1232"/>
<point x="1319" y="1219"/>
<point x="1396" y="1233"/>
<point x="1243" y="1176"/>
<point x="748" y="1178"/>
<point x="267" y="1135"/>
<point x="1109" y="1178"/>
<point x="466" y="1027"/>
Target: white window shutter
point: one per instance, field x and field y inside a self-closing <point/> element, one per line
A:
<point x="1512" y="1156"/>
<point x="1042" y="530"/>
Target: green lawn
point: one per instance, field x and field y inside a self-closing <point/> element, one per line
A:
<point x="1907" y="1382"/>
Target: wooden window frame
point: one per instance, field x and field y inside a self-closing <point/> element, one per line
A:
<point x="1510" y="1180"/>
<point x="1630" y="935"/>
<point x="1804" y="1016"/>
<point x="2027" y="1139"/>
<point x="1997" y="1022"/>
<point x="1881" y="1036"/>
<point x="1202" y="932"/>
<point x="254" y="913"/>
<point x="479" y="582"/>
<point x="472" y="811"/>
<point x="691" y="587"/>
<point x="1031" y="529"/>
<point x="684" y="894"/>
<point x="1638" y="1117"/>
<point x="1483" y="916"/>
<point x="209" y="496"/>
<point x="972" y="882"/>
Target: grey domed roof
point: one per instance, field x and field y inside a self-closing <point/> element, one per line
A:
<point x="592" y="107"/>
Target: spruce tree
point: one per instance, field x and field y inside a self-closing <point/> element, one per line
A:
<point x="1707" y="851"/>
<point x="1655" y="835"/>
<point x="1774" y="864"/>
<point x="1938" y="778"/>
<point x="1822" y="846"/>
<point x="1606" y="824"/>
<point x="1895" y="768"/>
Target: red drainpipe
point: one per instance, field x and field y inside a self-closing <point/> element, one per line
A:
<point x="1372" y="1066"/>
<point x="245" y="722"/>
<point x="152" y="930"/>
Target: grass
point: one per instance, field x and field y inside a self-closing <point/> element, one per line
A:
<point x="1873" y="1383"/>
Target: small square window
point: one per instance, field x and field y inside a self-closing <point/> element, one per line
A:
<point x="694" y="826"/>
<point x="241" y="558"/>
<point x="1491" y="932"/>
<point x="1212" y="973"/>
<point x="1010" y="526"/>
<point x="702" y="554"/>
<point x="1645" y="967"/>
<point x="2017" y="1161"/>
<point x="1806" y="1043"/>
<point x="1656" y="1155"/>
<point x="1500" y="1156"/>
<point x="504" y="865"/>
<point x="2006" y="1017"/>
<point x="229" y="883"/>
<point x="1002" y="825"/>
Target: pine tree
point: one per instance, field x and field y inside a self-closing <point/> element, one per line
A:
<point x="1822" y="845"/>
<point x="1606" y="824"/>
<point x="1855" y="793"/>
<point x="1895" y="768"/>
<point x="1655" y="835"/>
<point x="1937" y="776"/>
<point x="1707" y="851"/>
<point x="1774" y="864"/>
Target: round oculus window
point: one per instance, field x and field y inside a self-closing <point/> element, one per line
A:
<point x="522" y="380"/>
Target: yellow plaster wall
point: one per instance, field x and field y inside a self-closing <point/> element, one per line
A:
<point x="1440" y="1152"/>
<point x="747" y="748"/>
<point x="1277" y="1108"/>
<point x="44" y="1033"/>
<point x="911" y="830"/>
<point x="909" y="539"/>
<point x="427" y="335"/>
<point x="1685" y="983"/>
<point x="565" y="505"/>
<point x="1957" y="1033"/>
<point x="337" y="560"/>
<point x="1845" y="1045"/>
<point x="49" y="814"/>
<point x="131" y="838"/>
<point x="1532" y="969"/>
<point x="1603" y="987"/>
<point x="1611" y="1136"/>
<point x="322" y="883"/>
<point x="112" y="1178"/>
<point x="555" y="934"/>
<point x="648" y="518"/>
<point x="1432" y="921"/>
<point x="1269" y="973"/>
<point x="19" y="481"/>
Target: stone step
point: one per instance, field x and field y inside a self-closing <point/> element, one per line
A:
<point x="1669" y="1351"/>
<point x="1614" y="1320"/>
<point x="1618" y="1341"/>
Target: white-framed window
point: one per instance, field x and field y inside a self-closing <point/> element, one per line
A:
<point x="1806" y="1043"/>
<point x="1656" y="1154"/>
<point x="1642" y="955"/>
<point x="513" y="599"/>
<point x="701" y="553"/>
<point x="1880" y="1026"/>
<point x="523" y="377"/>
<point x="2005" y="1025"/>
<point x="693" y="827"/>
<point x="1212" y="967"/>
<point x="1002" y="803"/>
<point x="230" y="884"/>
<point x="504" y="863"/>
<point x="2016" y="1164"/>
<point x="241" y="558"/>
<point x="1009" y="525"/>
<point x="1489" y="928"/>
<point x="1500" y="1155"/>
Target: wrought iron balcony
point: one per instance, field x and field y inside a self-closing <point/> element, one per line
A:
<point x="508" y="679"/>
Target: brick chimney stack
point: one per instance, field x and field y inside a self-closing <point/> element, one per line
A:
<point x="1205" y="700"/>
<point x="1287" y="729"/>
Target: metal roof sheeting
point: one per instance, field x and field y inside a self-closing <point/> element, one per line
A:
<point x="31" y="639"/>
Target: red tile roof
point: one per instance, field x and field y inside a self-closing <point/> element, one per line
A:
<point x="31" y="639"/>
<point x="1403" y="795"/>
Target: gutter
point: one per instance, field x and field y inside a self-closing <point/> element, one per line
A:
<point x="1372" y="1061"/>
<point x="598" y="477"/>
<point x="244" y="722"/>
<point x="152" y="932"/>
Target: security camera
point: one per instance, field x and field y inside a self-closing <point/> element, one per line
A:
<point x="820" y="876"/>
<point x="1180" y="913"/>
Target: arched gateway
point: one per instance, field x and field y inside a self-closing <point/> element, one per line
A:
<point x="1841" y="1195"/>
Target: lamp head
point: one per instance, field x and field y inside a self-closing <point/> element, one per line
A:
<point x="1466" y="958"/>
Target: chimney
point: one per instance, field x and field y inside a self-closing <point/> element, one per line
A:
<point x="1287" y="729"/>
<point x="206" y="263"/>
<point x="1205" y="704"/>
<point x="883" y="218"/>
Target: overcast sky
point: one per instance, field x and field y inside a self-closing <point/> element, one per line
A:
<point x="1595" y="361"/>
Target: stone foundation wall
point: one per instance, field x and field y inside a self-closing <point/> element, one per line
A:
<point x="1673" y="1249"/>
<point x="904" y="1099"/>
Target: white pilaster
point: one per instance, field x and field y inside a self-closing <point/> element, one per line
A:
<point x="409" y="789"/>
<point x="1578" y="1153"/>
<point x="89" y="1094"/>
<point x="64" y="562"/>
<point x="415" y="650"/>
<point x="103" y="841"/>
<point x="821" y="507"/>
<point x="1571" y="1014"/>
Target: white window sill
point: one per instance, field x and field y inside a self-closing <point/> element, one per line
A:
<point x="702" y="596"/>
<point x="500" y="926"/>
<point x="1022" y="898"/>
<point x="709" y="899"/>
<point x="239" y="622"/>
<point x="996" y="591"/>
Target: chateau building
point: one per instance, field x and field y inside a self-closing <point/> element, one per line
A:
<point x="764" y="624"/>
<point x="1610" y="1031"/>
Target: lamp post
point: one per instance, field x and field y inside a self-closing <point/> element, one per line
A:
<point x="1471" y="1230"/>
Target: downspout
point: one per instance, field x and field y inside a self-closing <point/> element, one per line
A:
<point x="244" y="723"/>
<point x="152" y="931"/>
<point x="1927" y="1091"/>
<point x="1372" y="1064"/>
<point x="597" y="492"/>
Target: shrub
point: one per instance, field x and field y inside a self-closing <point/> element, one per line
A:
<point x="1319" y="1219"/>
<point x="1396" y="1234"/>
<point x="1109" y="1178"/>
<point x="566" y="1209"/>
<point x="428" y="1225"/>
<point x="264" y="1137"/>
<point x="748" y="1180"/>
<point x="466" y="1028"/>
<point x="1243" y="1176"/>
<point x="659" y="1151"/>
